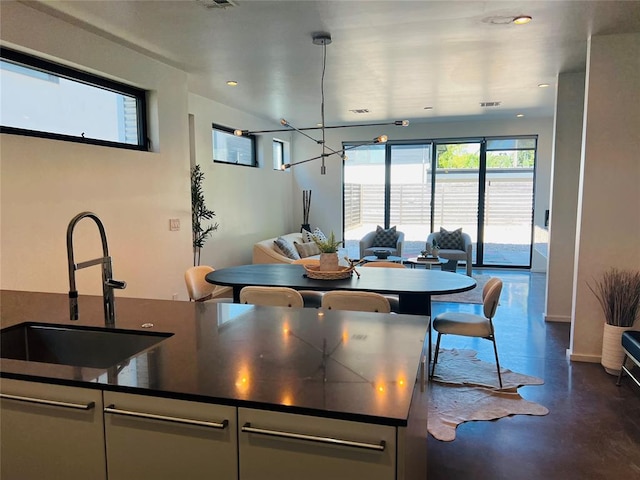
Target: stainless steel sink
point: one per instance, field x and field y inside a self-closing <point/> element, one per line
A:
<point x="74" y="345"/>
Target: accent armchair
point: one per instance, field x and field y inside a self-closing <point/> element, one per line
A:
<point x="465" y="254"/>
<point x="368" y="244"/>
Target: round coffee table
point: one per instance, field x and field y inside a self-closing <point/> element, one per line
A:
<point x="390" y="258"/>
<point x="428" y="262"/>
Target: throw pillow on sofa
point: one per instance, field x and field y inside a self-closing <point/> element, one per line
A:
<point x="450" y="240"/>
<point x="385" y="238"/>
<point x="287" y="249"/>
<point x="307" y="236"/>
<point x="307" y="249"/>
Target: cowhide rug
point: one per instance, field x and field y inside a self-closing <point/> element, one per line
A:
<point x="465" y="388"/>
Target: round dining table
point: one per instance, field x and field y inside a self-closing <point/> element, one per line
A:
<point x="414" y="287"/>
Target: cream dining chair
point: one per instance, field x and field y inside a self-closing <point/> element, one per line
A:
<point x="470" y="325"/>
<point x="358" y="301"/>
<point x="200" y="290"/>
<point x="271" y="296"/>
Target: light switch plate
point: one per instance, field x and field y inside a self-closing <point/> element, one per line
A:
<point x="174" y="224"/>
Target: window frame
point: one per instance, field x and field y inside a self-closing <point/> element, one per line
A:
<point x="252" y="138"/>
<point x="79" y="76"/>
<point x="278" y="162"/>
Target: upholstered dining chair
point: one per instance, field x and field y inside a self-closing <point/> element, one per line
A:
<point x="470" y="325"/>
<point x="271" y="296"/>
<point x="312" y="299"/>
<point x="394" y="303"/>
<point x="358" y="301"/>
<point x="200" y="290"/>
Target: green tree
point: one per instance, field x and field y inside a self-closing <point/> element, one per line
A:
<point x="457" y="155"/>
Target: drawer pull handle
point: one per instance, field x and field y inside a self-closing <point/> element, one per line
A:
<point x="164" y="418"/>
<point x="54" y="403"/>
<point x="313" y="438"/>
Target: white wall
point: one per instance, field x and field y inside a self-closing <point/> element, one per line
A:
<point x="609" y="193"/>
<point x="46" y="182"/>
<point x="564" y="203"/>
<point x="251" y="204"/>
<point x="327" y="189"/>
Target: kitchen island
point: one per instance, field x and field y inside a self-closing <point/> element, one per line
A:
<point x="297" y="393"/>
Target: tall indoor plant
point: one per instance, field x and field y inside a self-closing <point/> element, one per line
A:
<point x="199" y="214"/>
<point x="618" y="292"/>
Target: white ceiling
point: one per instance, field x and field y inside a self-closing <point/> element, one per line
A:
<point x="392" y="57"/>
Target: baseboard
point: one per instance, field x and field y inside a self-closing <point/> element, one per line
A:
<point x="574" y="357"/>
<point x="557" y="318"/>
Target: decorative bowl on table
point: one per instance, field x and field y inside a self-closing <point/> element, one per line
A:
<point x="381" y="254"/>
<point x="313" y="271"/>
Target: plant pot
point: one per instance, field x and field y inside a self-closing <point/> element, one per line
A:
<point x="329" y="262"/>
<point x="612" y="352"/>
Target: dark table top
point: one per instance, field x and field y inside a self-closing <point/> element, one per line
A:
<point x="244" y="355"/>
<point x="381" y="280"/>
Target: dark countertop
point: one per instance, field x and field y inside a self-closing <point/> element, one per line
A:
<point x="243" y="355"/>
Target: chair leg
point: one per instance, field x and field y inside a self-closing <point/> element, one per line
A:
<point x="435" y="356"/>
<point x="430" y="347"/>
<point x="495" y="349"/>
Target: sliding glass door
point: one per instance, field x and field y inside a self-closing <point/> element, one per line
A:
<point x="456" y="191"/>
<point x="484" y="186"/>
<point x="507" y="216"/>
<point x="410" y="181"/>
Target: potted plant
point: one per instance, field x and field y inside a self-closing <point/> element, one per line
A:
<point x="199" y="213"/>
<point x="618" y="292"/>
<point x="328" y="252"/>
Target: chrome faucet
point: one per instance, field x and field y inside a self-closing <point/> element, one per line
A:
<point x="108" y="283"/>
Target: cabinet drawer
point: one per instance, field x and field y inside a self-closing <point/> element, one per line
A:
<point x="51" y="431"/>
<point x="275" y="445"/>
<point x="160" y="438"/>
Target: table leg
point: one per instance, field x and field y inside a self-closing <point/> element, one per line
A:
<point x="416" y="304"/>
<point x="236" y="293"/>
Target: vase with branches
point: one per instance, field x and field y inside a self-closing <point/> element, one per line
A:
<point x="618" y="292"/>
<point x="306" y="206"/>
<point x="199" y="214"/>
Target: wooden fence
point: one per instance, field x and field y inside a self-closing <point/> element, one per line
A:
<point x="508" y="202"/>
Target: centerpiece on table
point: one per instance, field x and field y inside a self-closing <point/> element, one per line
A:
<point x="328" y="252"/>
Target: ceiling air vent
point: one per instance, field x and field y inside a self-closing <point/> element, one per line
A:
<point x="360" y="110"/>
<point x="490" y="104"/>
<point x="217" y="3"/>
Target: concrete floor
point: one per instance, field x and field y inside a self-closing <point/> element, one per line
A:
<point x="593" y="428"/>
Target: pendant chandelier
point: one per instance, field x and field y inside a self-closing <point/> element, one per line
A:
<point x="324" y="39"/>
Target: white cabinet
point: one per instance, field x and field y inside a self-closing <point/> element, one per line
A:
<point x="275" y="445"/>
<point x="160" y="438"/>
<point x="50" y="431"/>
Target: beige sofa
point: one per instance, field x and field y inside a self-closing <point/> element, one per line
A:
<point x="266" y="251"/>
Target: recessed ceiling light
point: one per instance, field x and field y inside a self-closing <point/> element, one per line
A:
<point x="543" y="85"/>
<point x="522" y="19"/>
<point x="520" y="115"/>
<point x="232" y="83"/>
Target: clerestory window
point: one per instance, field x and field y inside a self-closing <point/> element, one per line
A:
<point x="44" y="99"/>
